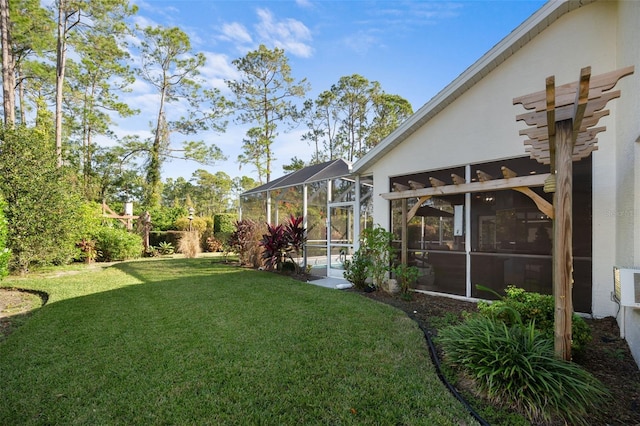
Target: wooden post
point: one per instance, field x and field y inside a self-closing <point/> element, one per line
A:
<point x="405" y="234"/>
<point x="562" y="240"/>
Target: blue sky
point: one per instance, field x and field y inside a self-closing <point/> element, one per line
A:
<point x="412" y="48"/>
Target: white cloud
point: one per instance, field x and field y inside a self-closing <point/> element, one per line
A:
<point x="288" y="34"/>
<point x="218" y="69"/>
<point x="361" y="42"/>
<point x="235" y="32"/>
<point x="306" y="4"/>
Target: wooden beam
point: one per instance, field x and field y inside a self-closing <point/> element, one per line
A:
<point x="562" y="241"/>
<point x="416" y="185"/>
<point x="119" y="216"/>
<point x="416" y="206"/>
<point x="543" y="205"/>
<point x="580" y="103"/>
<point x="457" y="180"/>
<point x="436" y="182"/>
<point x="551" y="120"/>
<point x="507" y="172"/>
<point x="551" y="105"/>
<point x="471" y="187"/>
<point x="565" y="94"/>
<point x="483" y="177"/>
<point x="404" y="250"/>
<point x="400" y="187"/>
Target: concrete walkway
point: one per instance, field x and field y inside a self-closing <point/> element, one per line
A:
<point x="329" y="282"/>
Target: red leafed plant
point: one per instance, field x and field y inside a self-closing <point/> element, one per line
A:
<point x="281" y="242"/>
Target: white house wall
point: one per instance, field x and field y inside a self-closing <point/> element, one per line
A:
<point x="480" y="126"/>
<point x="626" y="213"/>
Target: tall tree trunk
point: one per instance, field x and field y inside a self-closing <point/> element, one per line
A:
<point x="153" y="170"/>
<point x="21" y="107"/>
<point x="8" y="66"/>
<point x="61" y="58"/>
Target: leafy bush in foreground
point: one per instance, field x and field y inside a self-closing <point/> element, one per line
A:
<point x="515" y="366"/>
<point x="42" y="205"/>
<point x="519" y="305"/>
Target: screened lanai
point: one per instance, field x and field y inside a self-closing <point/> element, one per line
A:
<point x="334" y="204"/>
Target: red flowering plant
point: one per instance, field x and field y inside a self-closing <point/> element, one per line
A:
<point x="281" y="242"/>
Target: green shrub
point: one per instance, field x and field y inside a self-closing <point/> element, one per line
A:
<point x="224" y="222"/>
<point x="519" y="305"/>
<point x="164" y="218"/>
<point x="376" y="246"/>
<point x="5" y="253"/>
<point x="41" y="202"/>
<point x="355" y="270"/>
<point x="406" y="275"/>
<point x="118" y="244"/>
<point x="515" y="366"/>
<point x="197" y="224"/>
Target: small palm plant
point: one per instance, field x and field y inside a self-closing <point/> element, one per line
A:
<point x="165" y="248"/>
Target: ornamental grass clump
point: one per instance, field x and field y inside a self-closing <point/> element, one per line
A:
<point x="514" y="366"/>
<point x="189" y="244"/>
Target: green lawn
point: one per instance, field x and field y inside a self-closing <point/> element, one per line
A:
<point x="197" y="342"/>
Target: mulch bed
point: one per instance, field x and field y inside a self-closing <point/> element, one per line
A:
<point x="607" y="356"/>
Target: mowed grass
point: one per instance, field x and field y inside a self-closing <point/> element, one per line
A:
<point x="192" y="341"/>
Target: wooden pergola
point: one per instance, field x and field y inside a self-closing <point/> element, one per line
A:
<point x="573" y="110"/>
<point x="562" y="131"/>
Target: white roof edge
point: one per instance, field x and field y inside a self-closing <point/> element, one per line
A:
<point x="520" y="36"/>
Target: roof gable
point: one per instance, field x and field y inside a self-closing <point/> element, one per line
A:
<point x="519" y="37"/>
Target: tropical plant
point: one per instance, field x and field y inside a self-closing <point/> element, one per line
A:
<point x="514" y="366"/>
<point x="274" y="246"/>
<point x="165" y="248"/>
<point x="245" y="242"/>
<point x="297" y="235"/>
<point x="282" y="241"/>
<point x="519" y="305"/>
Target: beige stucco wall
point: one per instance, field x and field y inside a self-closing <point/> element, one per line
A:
<point x="627" y="207"/>
<point x="480" y="125"/>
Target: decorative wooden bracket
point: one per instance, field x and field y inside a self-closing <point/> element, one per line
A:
<point x="543" y="205"/>
<point x="581" y="101"/>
